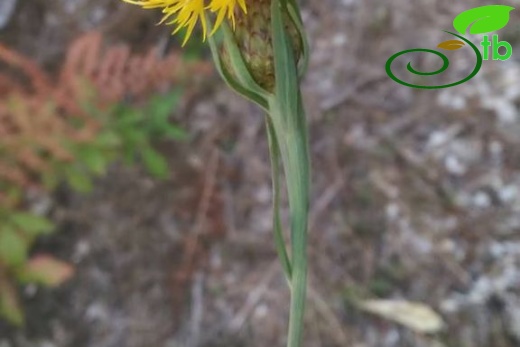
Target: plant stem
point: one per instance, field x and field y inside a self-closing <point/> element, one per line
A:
<point x="290" y="131"/>
<point x="274" y="151"/>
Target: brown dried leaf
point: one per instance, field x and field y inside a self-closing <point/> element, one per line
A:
<point x="415" y="316"/>
<point x="47" y="270"/>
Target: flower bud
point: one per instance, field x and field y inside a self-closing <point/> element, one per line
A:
<point x="253" y="35"/>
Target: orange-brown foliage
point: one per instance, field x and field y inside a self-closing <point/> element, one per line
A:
<point x="36" y="110"/>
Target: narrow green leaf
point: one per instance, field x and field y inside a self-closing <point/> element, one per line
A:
<point x="277" y="224"/>
<point x="174" y="132"/>
<point x="286" y="86"/>
<point x="9" y="304"/>
<point x="133" y="135"/>
<point x="155" y="163"/>
<point x="31" y="224"/>
<point x="290" y="128"/>
<point x="95" y="159"/>
<point x="108" y="139"/>
<point x="79" y="180"/>
<point x="233" y="83"/>
<point x="294" y="13"/>
<point x="161" y="106"/>
<point x="129" y="117"/>
<point x="237" y="61"/>
<point x="157" y="121"/>
<point x="13" y="248"/>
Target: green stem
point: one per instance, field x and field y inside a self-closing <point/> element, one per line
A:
<point x="291" y="133"/>
<point x="287" y="131"/>
<point x="274" y="151"/>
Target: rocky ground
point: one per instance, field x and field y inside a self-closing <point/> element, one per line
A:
<point x="416" y="196"/>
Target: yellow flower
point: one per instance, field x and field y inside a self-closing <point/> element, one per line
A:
<point x="186" y="13"/>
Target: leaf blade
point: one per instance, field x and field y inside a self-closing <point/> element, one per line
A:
<point x="413" y="315"/>
<point x="46" y="270"/>
<point x="13" y="248"/>
<point x="10" y="307"/>
<point x="155" y="163"/>
<point x="31" y="224"/>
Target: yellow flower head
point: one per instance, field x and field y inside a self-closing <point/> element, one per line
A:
<point x="186" y="13"/>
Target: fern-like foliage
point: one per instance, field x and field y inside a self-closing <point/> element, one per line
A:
<point x="69" y="126"/>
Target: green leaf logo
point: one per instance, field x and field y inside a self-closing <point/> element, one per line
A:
<point x="482" y="19"/>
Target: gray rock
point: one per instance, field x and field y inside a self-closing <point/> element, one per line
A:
<point x="6" y="12"/>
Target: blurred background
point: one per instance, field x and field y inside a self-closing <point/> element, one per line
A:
<point x="135" y="192"/>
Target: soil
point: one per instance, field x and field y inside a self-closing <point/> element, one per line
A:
<point x="416" y="196"/>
